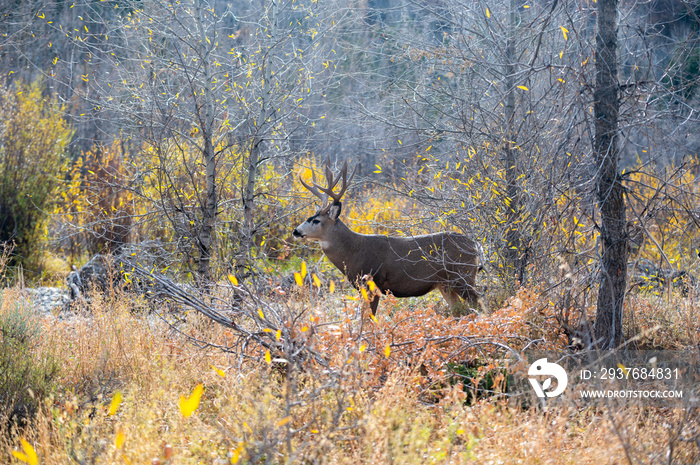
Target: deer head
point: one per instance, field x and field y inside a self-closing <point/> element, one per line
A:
<point x="316" y="226"/>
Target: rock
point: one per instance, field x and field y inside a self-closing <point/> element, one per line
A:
<point x="102" y="272"/>
<point x="48" y="299"/>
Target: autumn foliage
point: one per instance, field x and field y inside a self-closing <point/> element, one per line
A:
<point x="34" y="135"/>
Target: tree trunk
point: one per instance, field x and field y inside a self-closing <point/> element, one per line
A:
<point x="207" y="229"/>
<point x="248" y="189"/>
<point x="512" y="253"/>
<point x="248" y="232"/>
<point x="205" y="239"/>
<point x="609" y="188"/>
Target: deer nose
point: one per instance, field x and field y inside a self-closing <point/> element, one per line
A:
<point x="296" y="233"/>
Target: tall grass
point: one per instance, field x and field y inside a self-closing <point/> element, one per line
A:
<point x="257" y="412"/>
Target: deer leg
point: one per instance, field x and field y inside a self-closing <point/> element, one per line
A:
<point x="470" y="295"/>
<point x="451" y="297"/>
<point x="459" y="307"/>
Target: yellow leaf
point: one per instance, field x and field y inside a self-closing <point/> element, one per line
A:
<point x="379" y="169"/>
<point x="387" y="351"/>
<point x="29" y="456"/>
<point x="373" y="318"/>
<point x="299" y="280"/>
<point x="363" y="347"/>
<point x="331" y="287"/>
<point x="371" y="285"/>
<point x="268" y="357"/>
<point x="278" y="336"/>
<point x="233" y="279"/>
<point x="304" y="329"/>
<point x="260" y="312"/>
<point x="21" y="456"/>
<point x="523" y="88"/>
<point x="189" y="404"/>
<point x="488" y="13"/>
<point x="564" y="31"/>
<point x="116" y="402"/>
<point x="218" y="371"/>
<point x="236" y="455"/>
<point x="303" y="269"/>
<point x="284" y="421"/>
<point x="119" y="439"/>
<point x="317" y="282"/>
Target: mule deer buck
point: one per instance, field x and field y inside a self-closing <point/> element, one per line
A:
<point x="404" y="266"/>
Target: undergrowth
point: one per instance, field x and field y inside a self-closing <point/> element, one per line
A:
<point x="118" y="387"/>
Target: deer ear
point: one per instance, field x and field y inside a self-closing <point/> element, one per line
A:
<point x="334" y="211"/>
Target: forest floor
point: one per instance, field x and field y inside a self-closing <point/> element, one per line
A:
<point x="115" y="385"/>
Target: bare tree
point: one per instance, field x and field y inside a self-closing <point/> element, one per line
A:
<point x="492" y="124"/>
<point x="209" y="93"/>
<point x="609" y="188"/>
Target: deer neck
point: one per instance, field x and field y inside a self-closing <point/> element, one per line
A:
<point x="341" y="245"/>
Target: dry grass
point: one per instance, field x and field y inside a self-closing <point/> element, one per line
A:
<point x="258" y="413"/>
<point x="662" y="324"/>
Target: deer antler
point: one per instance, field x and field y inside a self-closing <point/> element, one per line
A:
<point x="331" y="185"/>
<point x="314" y="189"/>
<point x="325" y="192"/>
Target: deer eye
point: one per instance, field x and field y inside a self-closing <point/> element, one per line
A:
<point x="315" y="221"/>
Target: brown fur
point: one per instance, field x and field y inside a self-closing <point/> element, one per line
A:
<point x="404" y="266"/>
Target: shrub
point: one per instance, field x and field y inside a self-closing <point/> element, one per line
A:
<point x="33" y="139"/>
<point x="26" y="372"/>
